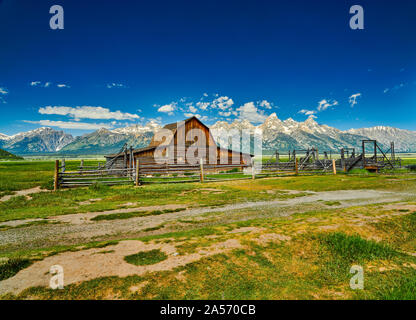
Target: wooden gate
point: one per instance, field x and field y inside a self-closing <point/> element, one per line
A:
<point x="88" y="176"/>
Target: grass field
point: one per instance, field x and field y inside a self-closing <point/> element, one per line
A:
<point x="300" y="252"/>
<point x="18" y="175"/>
<point x="48" y="204"/>
<point x="278" y="260"/>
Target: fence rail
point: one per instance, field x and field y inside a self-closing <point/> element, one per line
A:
<point x="150" y="173"/>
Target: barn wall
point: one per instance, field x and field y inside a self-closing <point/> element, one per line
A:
<point x="118" y="163"/>
<point x="190" y="125"/>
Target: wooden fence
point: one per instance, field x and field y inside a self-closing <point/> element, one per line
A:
<point x="86" y="176"/>
<point x="148" y="173"/>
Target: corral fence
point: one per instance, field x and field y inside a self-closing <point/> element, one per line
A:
<point x="149" y="172"/>
<point x="298" y="166"/>
<point x="88" y="175"/>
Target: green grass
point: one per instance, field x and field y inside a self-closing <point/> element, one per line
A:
<point x="123" y="215"/>
<point x="332" y="203"/>
<point x="188" y="234"/>
<point x="338" y="252"/>
<point x="400" y="232"/>
<point x="12" y="266"/>
<point x="128" y="215"/>
<point x="354" y="248"/>
<point x="19" y="175"/>
<point x="408" y="161"/>
<point x="312" y="265"/>
<point x="145" y="258"/>
<point x="68" y="201"/>
<point x="173" y="210"/>
<point x="399" y="286"/>
<point x="154" y="228"/>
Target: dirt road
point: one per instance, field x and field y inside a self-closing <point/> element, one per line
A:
<point x="78" y="228"/>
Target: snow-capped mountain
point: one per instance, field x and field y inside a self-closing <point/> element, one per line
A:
<point x="41" y="140"/>
<point x="4" y="137"/>
<point x="277" y="135"/>
<point x="404" y="140"/>
<point x="290" y="134"/>
<point x="105" y="141"/>
<point x="151" y="126"/>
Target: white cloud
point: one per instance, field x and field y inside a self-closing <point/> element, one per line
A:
<point x="3" y="91"/>
<point x="325" y="104"/>
<point x="87" y="112"/>
<point x="71" y="125"/>
<point x="224" y="114"/>
<point x="157" y="120"/>
<point x="307" y="112"/>
<point x="386" y="90"/>
<point x="115" y="85"/>
<point x="353" y="99"/>
<point x="62" y="85"/>
<point x="265" y="104"/>
<point x="167" y="108"/>
<point x="222" y="103"/>
<point x="205" y="94"/>
<point x="192" y="109"/>
<point x="41" y="84"/>
<point x="202" y="105"/>
<point x="250" y="112"/>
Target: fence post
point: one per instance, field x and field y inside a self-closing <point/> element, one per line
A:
<point x="82" y="164"/>
<point x="63" y="165"/>
<point x="253" y="172"/>
<point x="296" y="166"/>
<point x="137" y="172"/>
<point x="201" y="167"/>
<point x="334" y="168"/>
<point x="56" y="176"/>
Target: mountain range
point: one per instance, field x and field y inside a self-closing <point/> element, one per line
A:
<point x="41" y="140"/>
<point x="277" y="135"/>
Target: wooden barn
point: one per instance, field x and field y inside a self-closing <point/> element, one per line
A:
<point x="175" y="147"/>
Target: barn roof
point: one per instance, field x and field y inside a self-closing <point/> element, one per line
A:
<point x="144" y="149"/>
<point x="174" y="126"/>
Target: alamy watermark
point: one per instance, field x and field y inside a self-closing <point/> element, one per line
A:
<point x="57" y="279"/>
<point x="57" y="20"/>
<point x="357" y="280"/>
<point x="357" y="20"/>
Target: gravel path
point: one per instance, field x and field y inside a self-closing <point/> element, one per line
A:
<point x="38" y="235"/>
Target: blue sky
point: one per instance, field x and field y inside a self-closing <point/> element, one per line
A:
<point x="121" y="63"/>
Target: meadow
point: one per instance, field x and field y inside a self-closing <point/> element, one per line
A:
<point x="66" y="201"/>
<point x="302" y="251"/>
<point x="308" y="257"/>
